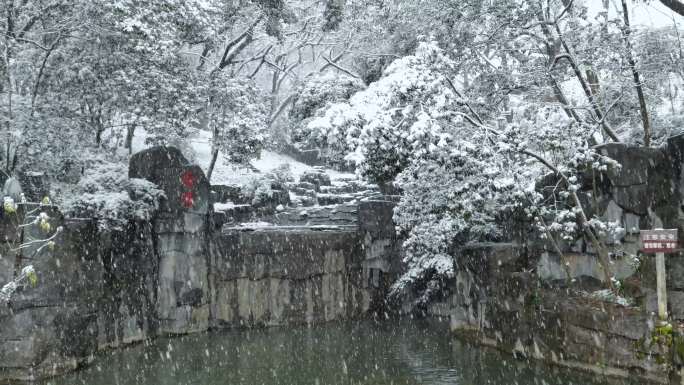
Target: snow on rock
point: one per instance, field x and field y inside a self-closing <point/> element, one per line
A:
<point x="226" y="173"/>
<point x="220" y="207"/>
<point x="255" y="225"/>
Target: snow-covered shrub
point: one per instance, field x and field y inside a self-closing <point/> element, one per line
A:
<point x="320" y="89"/>
<point x="281" y="174"/>
<point x="453" y="196"/>
<point x="237" y="116"/>
<point x="107" y="194"/>
<point x="258" y="190"/>
<point x="317" y="91"/>
<point x="27" y="274"/>
<point x="394" y="119"/>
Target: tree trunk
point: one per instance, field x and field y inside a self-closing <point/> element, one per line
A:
<point x="554" y="46"/>
<point x="214" y="153"/>
<point x="675" y="5"/>
<point x="601" y="251"/>
<point x="637" y="79"/>
<point x="98" y="136"/>
<point x="214" y="156"/>
<point x="130" y="131"/>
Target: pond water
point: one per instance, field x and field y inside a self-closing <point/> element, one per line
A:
<point x="391" y="353"/>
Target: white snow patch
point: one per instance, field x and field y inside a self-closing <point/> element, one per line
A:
<point x="608" y="296"/>
<point x="227" y="173"/>
<point x="218" y="206"/>
<point x="255" y="225"/>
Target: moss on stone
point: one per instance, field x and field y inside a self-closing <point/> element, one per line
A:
<point x="663" y="335"/>
<point x="678" y="341"/>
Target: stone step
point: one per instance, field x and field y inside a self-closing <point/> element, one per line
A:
<point x="318" y="215"/>
<point x="226" y="213"/>
<point x="303" y="191"/>
<point x="227" y="193"/>
<point x="318" y="178"/>
<point x="355" y="186"/>
<point x="335" y="199"/>
<point x="303" y="185"/>
<point x="302" y="200"/>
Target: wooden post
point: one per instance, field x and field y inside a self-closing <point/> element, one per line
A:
<point x="660" y="241"/>
<point x="661" y="285"/>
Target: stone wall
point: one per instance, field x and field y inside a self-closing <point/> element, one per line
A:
<point x="178" y="274"/>
<point x="128" y="279"/>
<point x="183" y="272"/>
<point x="495" y="302"/>
<point x="272" y="277"/>
<point x="52" y="327"/>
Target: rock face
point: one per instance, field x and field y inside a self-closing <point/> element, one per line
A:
<point x="276" y="277"/>
<point x="36" y="185"/>
<point x="126" y="308"/>
<point x="645" y="186"/>
<point x="496" y="303"/>
<point x="185" y="185"/>
<point x="646" y="192"/>
<point x="181" y="230"/>
<point x="53" y="327"/>
<point x="179" y="273"/>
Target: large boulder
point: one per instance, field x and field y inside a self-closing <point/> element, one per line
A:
<point x="36" y="185"/>
<point x="185" y="185"/>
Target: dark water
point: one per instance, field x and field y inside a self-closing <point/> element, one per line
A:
<point x="416" y="353"/>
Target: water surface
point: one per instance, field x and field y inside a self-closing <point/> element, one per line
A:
<point x="388" y="353"/>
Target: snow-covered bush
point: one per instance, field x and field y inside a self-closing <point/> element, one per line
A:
<point x="281" y="174"/>
<point x="258" y="190"/>
<point x="456" y="194"/>
<point x="394" y="119"/>
<point x="237" y="114"/>
<point x="317" y="91"/>
<point x="27" y="274"/>
<point x="107" y="194"/>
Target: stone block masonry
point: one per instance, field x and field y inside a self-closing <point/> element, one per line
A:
<point x="271" y="278"/>
<point x="179" y="274"/>
<point x="494" y="303"/>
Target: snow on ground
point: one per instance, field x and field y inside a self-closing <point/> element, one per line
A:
<point x="227" y="173"/>
<point x="218" y="206"/>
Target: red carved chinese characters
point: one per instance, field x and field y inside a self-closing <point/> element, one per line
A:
<point x="188" y="199"/>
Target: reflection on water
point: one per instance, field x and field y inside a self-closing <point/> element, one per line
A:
<point x="417" y="353"/>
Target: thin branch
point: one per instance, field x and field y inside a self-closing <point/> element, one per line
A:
<point x="279" y="110"/>
<point x="470" y="108"/>
<point x="585" y="87"/>
<point x="37" y="241"/>
<point x="41" y="72"/>
<point x="564" y="11"/>
<point x="234" y="47"/>
<point x="340" y="68"/>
